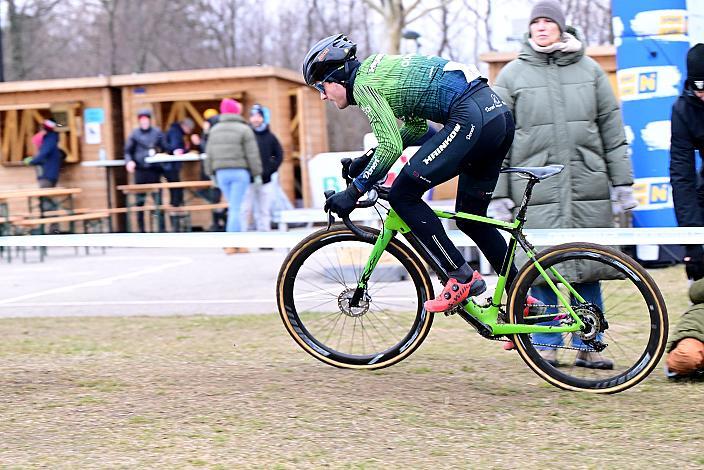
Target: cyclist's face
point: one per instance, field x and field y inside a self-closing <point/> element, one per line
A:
<point x="544" y="32"/>
<point x="336" y="93"/>
<point x="700" y="95"/>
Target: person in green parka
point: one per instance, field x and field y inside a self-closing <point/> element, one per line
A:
<point x="685" y="352"/>
<point x="566" y="113"/>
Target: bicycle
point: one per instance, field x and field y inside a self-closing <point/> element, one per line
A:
<point x="334" y="294"/>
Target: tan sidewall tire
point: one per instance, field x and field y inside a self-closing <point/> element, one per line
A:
<point x="544" y="257"/>
<point x="335" y="231"/>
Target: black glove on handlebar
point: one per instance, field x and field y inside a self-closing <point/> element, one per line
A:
<point x="343" y="203"/>
<point x="360" y="163"/>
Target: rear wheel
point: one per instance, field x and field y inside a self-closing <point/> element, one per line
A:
<point x="315" y="286"/>
<point x="623" y="310"/>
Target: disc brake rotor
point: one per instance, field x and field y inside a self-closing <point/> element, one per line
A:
<point x="344" y="299"/>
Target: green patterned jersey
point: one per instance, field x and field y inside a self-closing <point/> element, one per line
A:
<point x="412" y="88"/>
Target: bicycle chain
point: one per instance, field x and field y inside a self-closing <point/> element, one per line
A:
<point x="502" y="316"/>
<point x="549" y="346"/>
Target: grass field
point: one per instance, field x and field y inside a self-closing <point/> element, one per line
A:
<point x="223" y="392"/>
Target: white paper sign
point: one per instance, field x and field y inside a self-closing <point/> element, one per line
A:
<point x="93" y="133"/>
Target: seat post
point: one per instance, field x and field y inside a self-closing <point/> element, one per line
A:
<point x="521" y="216"/>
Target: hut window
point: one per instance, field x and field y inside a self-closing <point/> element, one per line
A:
<point x="18" y="126"/>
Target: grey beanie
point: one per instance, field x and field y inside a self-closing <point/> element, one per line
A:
<point x="549" y="9"/>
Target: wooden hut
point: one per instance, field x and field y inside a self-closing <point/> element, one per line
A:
<point x="297" y="114"/>
<point x="98" y="113"/>
<point x="24" y="105"/>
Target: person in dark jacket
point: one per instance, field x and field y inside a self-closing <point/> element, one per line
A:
<point x="687" y="136"/>
<point x="259" y="198"/>
<point x="48" y="159"/>
<point x="176" y="145"/>
<point x="144" y="141"/>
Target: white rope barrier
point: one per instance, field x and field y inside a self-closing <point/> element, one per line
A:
<point x="538" y="237"/>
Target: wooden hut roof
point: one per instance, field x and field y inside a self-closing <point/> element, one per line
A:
<point x="151" y="78"/>
<point x="206" y="74"/>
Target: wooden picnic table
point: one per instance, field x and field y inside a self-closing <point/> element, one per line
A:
<point x="145" y="188"/>
<point x="167" y="158"/>
<point x="65" y="202"/>
<point x="37" y="193"/>
<point x="133" y="189"/>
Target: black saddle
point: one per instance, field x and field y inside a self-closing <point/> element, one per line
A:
<point x="537" y="172"/>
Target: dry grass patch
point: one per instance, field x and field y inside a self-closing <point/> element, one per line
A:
<point x="218" y="392"/>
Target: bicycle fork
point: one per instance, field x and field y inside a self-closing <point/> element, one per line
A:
<point x="382" y="241"/>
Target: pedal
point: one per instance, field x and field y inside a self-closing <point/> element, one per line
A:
<point x="453" y="310"/>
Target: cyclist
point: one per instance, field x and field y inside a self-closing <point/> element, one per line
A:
<point x="478" y="131"/>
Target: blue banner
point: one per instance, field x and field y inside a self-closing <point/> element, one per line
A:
<point x="651" y="48"/>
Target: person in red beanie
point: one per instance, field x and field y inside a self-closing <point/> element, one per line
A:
<point x="48" y="158"/>
<point x="230" y="106"/>
<point x="233" y="161"/>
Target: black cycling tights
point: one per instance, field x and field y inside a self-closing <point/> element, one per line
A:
<point x="473" y="144"/>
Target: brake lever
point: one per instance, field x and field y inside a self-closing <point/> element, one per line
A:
<point x="331" y="218"/>
<point x="346" y="162"/>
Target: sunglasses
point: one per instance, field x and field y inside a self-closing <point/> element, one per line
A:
<point x="319" y="85"/>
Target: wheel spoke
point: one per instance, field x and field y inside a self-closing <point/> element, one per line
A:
<point x="616" y="298"/>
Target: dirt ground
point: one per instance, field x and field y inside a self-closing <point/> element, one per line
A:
<point x="235" y="391"/>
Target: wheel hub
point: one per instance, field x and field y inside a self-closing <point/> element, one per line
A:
<point x="344" y="300"/>
<point x="592" y="323"/>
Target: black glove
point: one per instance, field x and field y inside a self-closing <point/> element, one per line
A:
<point x="694" y="262"/>
<point x="694" y="268"/>
<point x="360" y="163"/>
<point x="343" y="203"/>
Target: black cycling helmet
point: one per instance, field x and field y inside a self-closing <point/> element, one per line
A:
<point x="327" y="55"/>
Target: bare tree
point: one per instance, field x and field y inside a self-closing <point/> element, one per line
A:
<point x="481" y="11"/>
<point x="397" y="16"/>
<point x="25" y="20"/>
<point x="592" y="17"/>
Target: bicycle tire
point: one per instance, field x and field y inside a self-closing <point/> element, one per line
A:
<point x="300" y="323"/>
<point x="633" y="313"/>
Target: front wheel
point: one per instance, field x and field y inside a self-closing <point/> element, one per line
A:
<point x="314" y="290"/>
<point x="623" y="311"/>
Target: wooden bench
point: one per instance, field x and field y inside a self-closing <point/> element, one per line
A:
<point x="55" y="213"/>
<point x="90" y="220"/>
<point x="92" y="223"/>
<point x="181" y="215"/>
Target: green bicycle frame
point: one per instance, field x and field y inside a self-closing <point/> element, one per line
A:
<point x="486" y="315"/>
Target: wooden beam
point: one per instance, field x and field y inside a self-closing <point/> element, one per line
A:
<point x="73" y="150"/>
<point x="210" y="95"/>
<point x="197" y="117"/>
<point x="175" y="107"/>
<point x="8" y="132"/>
<point x="10" y="107"/>
<point x="305" y="186"/>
